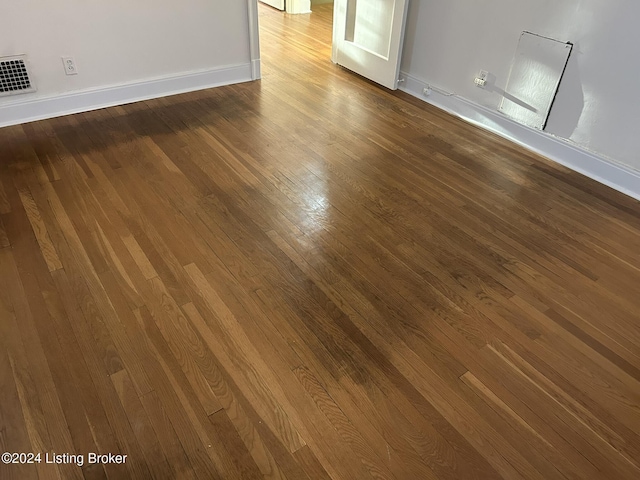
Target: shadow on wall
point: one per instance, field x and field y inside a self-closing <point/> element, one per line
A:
<point x="569" y="103"/>
<point x="491" y="87"/>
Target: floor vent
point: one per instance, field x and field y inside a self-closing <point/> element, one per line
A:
<point x="14" y="76"/>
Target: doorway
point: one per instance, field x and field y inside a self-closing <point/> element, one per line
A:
<point x="366" y="36"/>
<point x="283" y="35"/>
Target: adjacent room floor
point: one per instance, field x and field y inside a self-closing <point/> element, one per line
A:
<point x="310" y="277"/>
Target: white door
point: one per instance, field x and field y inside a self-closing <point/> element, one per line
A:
<point x="279" y="4"/>
<point x="367" y="38"/>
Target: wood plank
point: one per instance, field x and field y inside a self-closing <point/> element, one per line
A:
<point x="310" y="464"/>
<point x="139" y="257"/>
<point x="174" y="402"/>
<point x="373" y="462"/>
<point x="4" y="240"/>
<point x="167" y="437"/>
<point x="266" y="389"/>
<point x="237" y="412"/>
<point x="14" y="438"/>
<point x="23" y="314"/>
<point x="221" y="464"/>
<point x="150" y="446"/>
<point x="185" y="345"/>
<point x="4" y="202"/>
<point x="234" y="445"/>
<point x="40" y="230"/>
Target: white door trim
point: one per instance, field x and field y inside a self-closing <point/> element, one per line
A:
<point x="293" y="6"/>
<point x="254" y="39"/>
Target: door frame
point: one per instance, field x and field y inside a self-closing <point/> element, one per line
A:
<point x="293" y="6"/>
<point x="254" y="39"/>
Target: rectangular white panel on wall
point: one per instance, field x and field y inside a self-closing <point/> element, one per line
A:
<point x="536" y="71"/>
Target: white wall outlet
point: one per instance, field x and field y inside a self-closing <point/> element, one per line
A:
<point x="69" y="66"/>
<point x="426" y="91"/>
<point x="481" y="79"/>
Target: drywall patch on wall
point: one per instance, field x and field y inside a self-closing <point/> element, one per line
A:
<point x="590" y="164"/>
<point x="536" y="71"/>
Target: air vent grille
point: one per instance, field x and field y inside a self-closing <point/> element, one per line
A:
<point x="14" y="76"/>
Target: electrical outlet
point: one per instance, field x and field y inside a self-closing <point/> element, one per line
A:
<point x="69" y="66"/>
<point x="481" y="79"/>
<point x="426" y="91"/>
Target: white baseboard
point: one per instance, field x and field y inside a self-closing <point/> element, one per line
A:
<point x="24" y="111"/>
<point x="617" y="176"/>
<point x="256" y="69"/>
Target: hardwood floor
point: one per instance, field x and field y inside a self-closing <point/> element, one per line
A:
<point x="310" y="277"/>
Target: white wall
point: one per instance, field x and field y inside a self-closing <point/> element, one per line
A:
<point x="597" y="107"/>
<point x="122" y="42"/>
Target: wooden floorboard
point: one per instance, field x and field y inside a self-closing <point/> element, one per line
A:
<point x="311" y="277"/>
